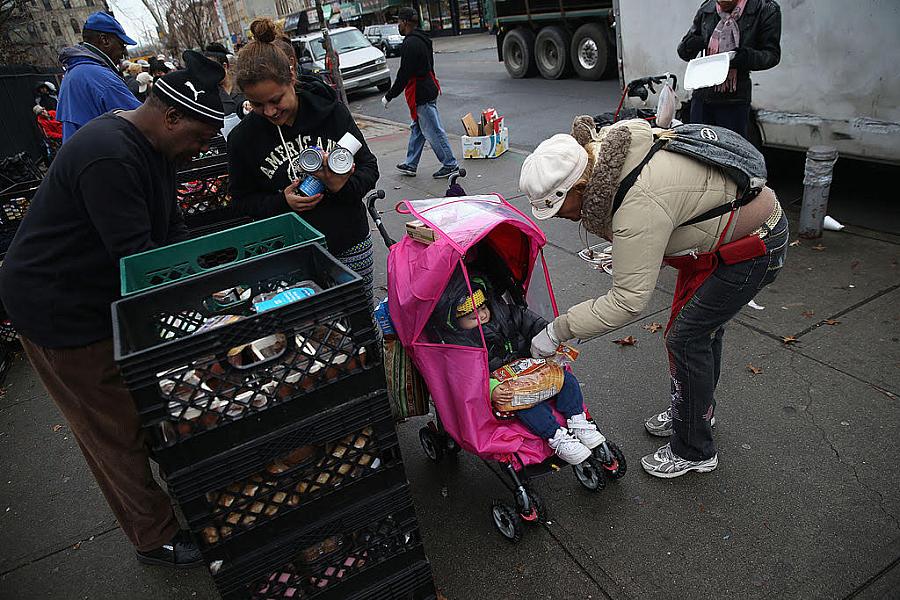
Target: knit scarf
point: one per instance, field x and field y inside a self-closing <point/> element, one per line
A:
<point x="725" y="38"/>
<point x="609" y="157"/>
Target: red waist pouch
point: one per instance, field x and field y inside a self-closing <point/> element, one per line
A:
<point x="746" y="248"/>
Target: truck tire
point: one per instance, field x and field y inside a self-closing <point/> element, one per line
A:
<point x="590" y="51"/>
<point x="518" y="53"/>
<point x="551" y="52"/>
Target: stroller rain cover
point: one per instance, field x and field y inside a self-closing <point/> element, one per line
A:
<point x="458" y="376"/>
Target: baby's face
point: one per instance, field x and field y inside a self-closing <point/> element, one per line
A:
<point x="470" y="321"/>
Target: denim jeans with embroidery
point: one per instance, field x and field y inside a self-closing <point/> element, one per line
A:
<point x="694" y="342"/>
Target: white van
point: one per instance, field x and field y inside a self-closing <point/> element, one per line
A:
<point x="362" y="65"/>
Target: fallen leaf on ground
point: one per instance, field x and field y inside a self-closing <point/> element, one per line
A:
<point x="807" y="314"/>
<point x="626" y="341"/>
<point x="754" y="370"/>
<point x="652" y="327"/>
<point x="830" y="322"/>
<point x="818" y="247"/>
<point x="57" y="427"/>
<point x="794" y="243"/>
<point x="855" y="265"/>
<point x="789" y="339"/>
<point x="76" y="546"/>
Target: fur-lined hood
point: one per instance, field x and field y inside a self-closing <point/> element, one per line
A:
<point x="614" y="152"/>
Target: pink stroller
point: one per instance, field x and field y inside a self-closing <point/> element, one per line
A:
<point x="487" y="234"/>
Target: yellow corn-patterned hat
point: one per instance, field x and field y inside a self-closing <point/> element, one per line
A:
<point x="468" y="306"/>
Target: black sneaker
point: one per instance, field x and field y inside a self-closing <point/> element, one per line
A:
<point x="406" y="169"/>
<point x="180" y="553"/>
<point x="445" y="172"/>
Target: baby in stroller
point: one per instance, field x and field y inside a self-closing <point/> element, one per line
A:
<point x="508" y="329"/>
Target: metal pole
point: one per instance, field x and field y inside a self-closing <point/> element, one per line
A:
<point x="816" y="187"/>
<point x="331" y="57"/>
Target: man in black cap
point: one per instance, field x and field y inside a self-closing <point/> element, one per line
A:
<point x="109" y="193"/>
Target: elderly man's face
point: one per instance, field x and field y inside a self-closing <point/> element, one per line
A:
<point x="727" y="5"/>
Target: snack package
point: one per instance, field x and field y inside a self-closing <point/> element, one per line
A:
<point x="533" y="380"/>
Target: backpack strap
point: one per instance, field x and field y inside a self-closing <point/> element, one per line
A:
<point x="634" y="174"/>
<point x="724" y="209"/>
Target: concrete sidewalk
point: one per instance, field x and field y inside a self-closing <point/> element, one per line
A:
<point x="804" y="504"/>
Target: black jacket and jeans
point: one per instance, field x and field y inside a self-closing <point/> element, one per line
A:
<point x="760" y="49"/>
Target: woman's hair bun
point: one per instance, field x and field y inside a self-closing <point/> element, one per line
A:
<point x="263" y="30"/>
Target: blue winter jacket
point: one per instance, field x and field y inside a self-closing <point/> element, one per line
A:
<point x="90" y="87"/>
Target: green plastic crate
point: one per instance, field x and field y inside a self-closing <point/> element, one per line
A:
<point x="154" y="268"/>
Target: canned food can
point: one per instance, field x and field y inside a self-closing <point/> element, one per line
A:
<point x="340" y="161"/>
<point x="310" y="160"/>
<point x="311" y="186"/>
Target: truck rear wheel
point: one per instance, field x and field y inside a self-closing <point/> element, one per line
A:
<point x="590" y="51"/>
<point x="551" y="52"/>
<point x="518" y="53"/>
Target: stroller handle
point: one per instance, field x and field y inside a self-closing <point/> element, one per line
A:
<point x="370" y="200"/>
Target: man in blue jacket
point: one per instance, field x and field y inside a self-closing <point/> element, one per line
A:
<point x="92" y="85"/>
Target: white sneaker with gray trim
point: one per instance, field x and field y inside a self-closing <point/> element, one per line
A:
<point x="585" y="431"/>
<point x="661" y="424"/>
<point x="568" y="448"/>
<point x="664" y="463"/>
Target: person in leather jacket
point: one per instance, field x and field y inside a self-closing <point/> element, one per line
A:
<point x="750" y="28"/>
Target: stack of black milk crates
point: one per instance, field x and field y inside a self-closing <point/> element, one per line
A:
<point x="202" y="193"/>
<point x="261" y="389"/>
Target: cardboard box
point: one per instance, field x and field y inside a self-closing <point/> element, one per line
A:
<point x="470" y="125"/>
<point x="485" y="146"/>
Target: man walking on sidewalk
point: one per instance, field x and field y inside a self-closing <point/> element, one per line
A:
<point x="416" y="81"/>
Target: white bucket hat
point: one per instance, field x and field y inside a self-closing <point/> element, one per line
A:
<point x="550" y="172"/>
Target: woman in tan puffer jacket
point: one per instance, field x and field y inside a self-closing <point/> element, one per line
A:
<point x="577" y="177"/>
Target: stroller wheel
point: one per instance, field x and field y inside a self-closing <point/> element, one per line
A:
<point x="451" y="446"/>
<point x="613" y="466"/>
<point x="507" y="521"/>
<point x="591" y="474"/>
<point x="432" y="444"/>
<point x="538" y="510"/>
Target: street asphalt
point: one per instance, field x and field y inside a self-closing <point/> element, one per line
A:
<point x="805" y="502"/>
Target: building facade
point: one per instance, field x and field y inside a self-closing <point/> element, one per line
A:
<point x="43" y="27"/>
<point x="240" y="13"/>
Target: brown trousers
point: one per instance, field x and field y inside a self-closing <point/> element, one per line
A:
<point x="86" y="386"/>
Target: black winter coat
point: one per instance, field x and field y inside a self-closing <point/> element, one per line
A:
<point x="760" y="47"/>
<point x="416" y="62"/>
<point x="508" y="334"/>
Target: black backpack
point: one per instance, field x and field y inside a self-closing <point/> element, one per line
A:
<point x="715" y="146"/>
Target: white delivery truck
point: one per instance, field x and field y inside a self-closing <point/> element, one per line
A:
<point x="838" y="83"/>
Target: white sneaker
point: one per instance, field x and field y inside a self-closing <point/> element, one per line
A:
<point x="585" y="431"/>
<point x="568" y="448"/>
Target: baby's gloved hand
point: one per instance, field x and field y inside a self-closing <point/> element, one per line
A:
<point x="544" y="344"/>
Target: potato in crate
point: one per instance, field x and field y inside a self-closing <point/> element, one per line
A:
<point x="337" y="557"/>
<point x="223" y="348"/>
<point x="289" y="478"/>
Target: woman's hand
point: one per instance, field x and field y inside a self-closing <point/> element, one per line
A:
<point x="502" y="394"/>
<point x="333" y="182"/>
<point x="544" y="344"/>
<point x="298" y="202"/>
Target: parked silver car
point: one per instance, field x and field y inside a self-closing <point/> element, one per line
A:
<point x="386" y="37"/>
<point x="362" y="65"/>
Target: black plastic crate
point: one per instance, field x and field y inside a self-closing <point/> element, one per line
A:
<point x="188" y="381"/>
<point x="202" y="193"/>
<point x="14" y="203"/>
<point x="358" y="544"/>
<point x="289" y="478"/>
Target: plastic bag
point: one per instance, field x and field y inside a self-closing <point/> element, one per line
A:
<point x="665" y="106"/>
